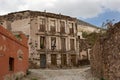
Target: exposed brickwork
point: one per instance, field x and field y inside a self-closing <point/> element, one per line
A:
<point x="105" y="55"/>
<point x="10" y="47"/>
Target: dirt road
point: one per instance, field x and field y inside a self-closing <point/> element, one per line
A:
<point x="61" y="74"/>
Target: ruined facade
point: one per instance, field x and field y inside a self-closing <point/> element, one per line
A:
<point x="13" y="55"/>
<point x="105" y="55"/>
<point x="87" y="27"/>
<point x="84" y="46"/>
<point x="52" y="37"/>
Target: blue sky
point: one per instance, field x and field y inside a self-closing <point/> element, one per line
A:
<point x="107" y="15"/>
<point x="93" y="11"/>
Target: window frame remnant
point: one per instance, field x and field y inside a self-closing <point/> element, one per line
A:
<point x="42" y="42"/>
<point x="53" y="43"/>
<point x="42" y="25"/>
<point x="62" y="26"/>
<point x="52" y="25"/>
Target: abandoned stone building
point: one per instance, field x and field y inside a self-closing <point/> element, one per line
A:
<point x="83" y="44"/>
<point x="52" y="37"/>
<point x="105" y="55"/>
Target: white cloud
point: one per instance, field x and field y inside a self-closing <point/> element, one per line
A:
<point x="76" y="8"/>
<point x="113" y="5"/>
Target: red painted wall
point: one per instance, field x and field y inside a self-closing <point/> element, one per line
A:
<point x="9" y="46"/>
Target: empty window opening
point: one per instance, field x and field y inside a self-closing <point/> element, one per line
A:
<point x="62" y="26"/>
<point x="72" y="47"/>
<point x="52" y="26"/>
<point x="42" y="42"/>
<point x="42" y="25"/>
<point x="63" y="44"/>
<point x="71" y="28"/>
<point x="11" y="64"/>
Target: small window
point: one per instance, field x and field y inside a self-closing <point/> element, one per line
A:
<point x="11" y="64"/>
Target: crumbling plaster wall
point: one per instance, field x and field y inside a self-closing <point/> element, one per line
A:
<point x="21" y="25"/>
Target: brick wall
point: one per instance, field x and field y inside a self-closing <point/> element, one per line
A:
<point x="10" y="47"/>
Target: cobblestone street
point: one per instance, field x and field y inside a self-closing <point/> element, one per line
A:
<point x="61" y="74"/>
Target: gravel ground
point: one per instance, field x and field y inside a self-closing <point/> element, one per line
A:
<point x="61" y="74"/>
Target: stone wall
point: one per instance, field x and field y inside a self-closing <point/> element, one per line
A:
<point x="15" y="76"/>
<point x="105" y="55"/>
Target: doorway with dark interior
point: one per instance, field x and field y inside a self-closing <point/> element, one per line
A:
<point x="63" y="60"/>
<point x="42" y="60"/>
<point x="11" y="64"/>
<point x="73" y="60"/>
<point x="53" y="59"/>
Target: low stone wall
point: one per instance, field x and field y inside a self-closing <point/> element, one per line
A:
<point x="15" y="76"/>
